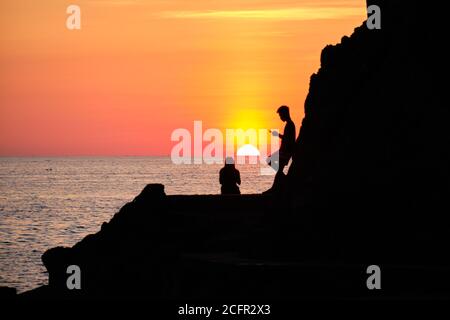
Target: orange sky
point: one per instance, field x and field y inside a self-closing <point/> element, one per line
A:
<point x="139" y="69"/>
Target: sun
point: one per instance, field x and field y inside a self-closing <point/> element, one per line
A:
<point x="248" y="150"/>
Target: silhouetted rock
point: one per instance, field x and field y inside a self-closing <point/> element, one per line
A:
<point x="7" y="293"/>
<point x="372" y="155"/>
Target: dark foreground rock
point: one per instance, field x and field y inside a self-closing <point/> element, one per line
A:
<point x="7" y="293"/>
<point x="247" y="246"/>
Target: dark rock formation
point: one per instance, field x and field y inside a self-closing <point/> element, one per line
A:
<point x="373" y="148"/>
<point x="7" y="293"/>
<point x="369" y="184"/>
<point x="152" y="242"/>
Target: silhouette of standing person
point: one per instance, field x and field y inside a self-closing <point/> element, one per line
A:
<point x="280" y="159"/>
<point x="229" y="178"/>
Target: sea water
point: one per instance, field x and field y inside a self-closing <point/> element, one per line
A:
<point x="49" y="202"/>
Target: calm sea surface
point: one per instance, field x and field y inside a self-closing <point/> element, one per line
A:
<point x="48" y="202"/>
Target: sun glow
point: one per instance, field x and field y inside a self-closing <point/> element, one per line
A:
<point x="248" y="150"/>
<point x="248" y="119"/>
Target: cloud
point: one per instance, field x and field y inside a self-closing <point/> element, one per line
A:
<point x="299" y="13"/>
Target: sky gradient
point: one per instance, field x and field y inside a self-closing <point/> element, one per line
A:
<point x="137" y="70"/>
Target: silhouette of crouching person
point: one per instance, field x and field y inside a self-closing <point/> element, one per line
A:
<point x="229" y="178"/>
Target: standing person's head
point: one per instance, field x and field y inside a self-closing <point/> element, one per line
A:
<point x="283" y="112"/>
<point x="229" y="162"/>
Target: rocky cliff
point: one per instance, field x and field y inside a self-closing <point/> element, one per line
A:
<point x="373" y="151"/>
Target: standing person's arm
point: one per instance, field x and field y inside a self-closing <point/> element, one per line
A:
<point x="238" y="177"/>
<point x="276" y="134"/>
<point x="220" y="177"/>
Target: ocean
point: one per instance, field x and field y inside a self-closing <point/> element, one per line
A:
<point x="49" y="202"/>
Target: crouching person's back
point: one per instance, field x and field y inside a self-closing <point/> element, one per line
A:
<point x="230" y="178"/>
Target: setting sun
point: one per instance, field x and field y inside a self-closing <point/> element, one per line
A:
<point x="248" y="150"/>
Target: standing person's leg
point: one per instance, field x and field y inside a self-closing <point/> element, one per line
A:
<point x="274" y="160"/>
<point x="279" y="176"/>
